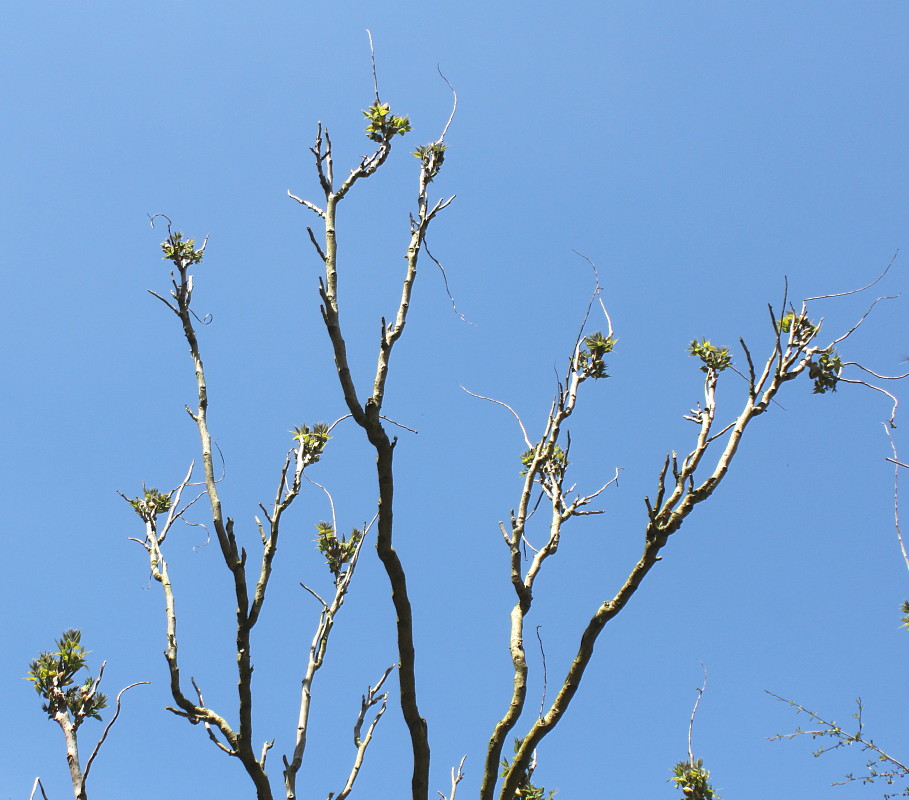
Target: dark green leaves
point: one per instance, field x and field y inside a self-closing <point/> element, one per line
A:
<point x="825" y="371"/>
<point x="714" y="358"/>
<point x="526" y="789"/>
<point x="590" y="357"/>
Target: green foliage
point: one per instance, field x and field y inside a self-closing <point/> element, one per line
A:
<point x="555" y="463"/>
<point x="804" y="328"/>
<point x="150" y="504"/>
<point x="337" y="552"/>
<point x="693" y="780"/>
<point x="714" y="358"/>
<point x="825" y="371"/>
<point x="383" y="127"/>
<point x="905" y="618"/>
<point x="526" y="790"/>
<point x="312" y="439"/>
<point x="53" y="674"/>
<point x="432" y="156"/>
<point x="179" y="251"/>
<point x="590" y="357"/>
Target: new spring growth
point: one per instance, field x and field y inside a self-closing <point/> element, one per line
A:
<point x="53" y="674"/>
<point x="714" y="358"/>
<point x="150" y="504"/>
<point x="526" y="789"/>
<point x="179" y="251"/>
<point x="825" y="371"/>
<point x="337" y="552"/>
<point x="431" y="156"/>
<point x="694" y="780"/>
<point x="383" y="127"/>
<point x="555" y="462"/>
<point x="312" y="440"/>
<point x="803" y="329"/>
<point x="590" y="358"/>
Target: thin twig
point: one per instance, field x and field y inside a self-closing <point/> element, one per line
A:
<point x="445" y="280"/>
<point x="91" y="758"/>
<point x="504" y="405"/>
<point x="694" y="711"/>
<point x="896" y="494"/>
<point x="545" y="681"/>
<point x="372" y="53"/>
<point x="855" y="291"/>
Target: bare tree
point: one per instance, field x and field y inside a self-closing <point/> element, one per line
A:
<point x="683" y="483"/>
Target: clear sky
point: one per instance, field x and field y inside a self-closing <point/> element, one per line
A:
<point x="699" y="152"/>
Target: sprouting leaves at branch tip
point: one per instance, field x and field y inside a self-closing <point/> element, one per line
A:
<point x="715" y="358"/>
<point x="590" y="357"/>
<point x="382" y="126"/>
<point x="181" y="252"/>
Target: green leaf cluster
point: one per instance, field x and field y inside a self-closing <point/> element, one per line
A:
<point x="556" y="462"/>
<point x="526" y="790"/>
<point x="715" y="358"/>
<point x="905" y="618"/>
<point x="431" y="156"/>
<point x="337" y="552"/>
<point x="804" y="328"/>
<point x="151" y="503"/>
<point x="180" y="251"/>
<point x="312" y="439"/>
<point x="693" y="780"/>
<point x="382" y="126"/>
<point x="54" y="673"/>
<point x="590" y="357"/>
<point x="825" y="371"/>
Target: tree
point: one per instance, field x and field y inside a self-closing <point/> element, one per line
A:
<point x="683" y="483"/>
<point x="69" y="703"/>
<point x="881" y="766"/>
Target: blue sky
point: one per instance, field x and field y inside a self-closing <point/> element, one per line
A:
<point x="698" y="152"/>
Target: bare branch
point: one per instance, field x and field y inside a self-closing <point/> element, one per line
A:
<point x="113" y="719"/>
<point x="37" y="785"/>
<point x="454" y="105"/>
<point x="856" y="291"/>
<point x="896" y="495"/>
<point x="694" y="712"/>
<point x="504" y="405"/>
<point x="311" y="206"/>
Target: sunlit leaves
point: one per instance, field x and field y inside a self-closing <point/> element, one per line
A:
<point x="715" y="358"/>
<point x="381" y="125"/>
<point x="693" y="780"/>
<point x="555" y="462"/>
<point x="54" y="677"/>
<point x="802" y="328"/>
<point x="312" y="440"/>
<point x="337" y="551"/>
<point x="150" y="504"/>
<point x="431" y="156"/>
<point x="180" y="251"/>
